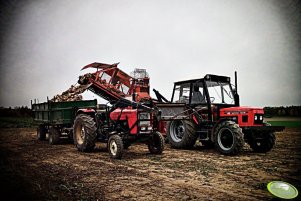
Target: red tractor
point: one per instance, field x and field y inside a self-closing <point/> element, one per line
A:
<point x="128" y="119"/>
<point x="208" y="109"/>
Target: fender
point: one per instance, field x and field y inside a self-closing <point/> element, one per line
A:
<point x="85" y="111"/>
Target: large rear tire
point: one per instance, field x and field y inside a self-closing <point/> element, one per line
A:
<point x="41" y="132"/>
<point x="54" y="135"/>
<point x="229" y="138"/>
<point x="181" y="134"/>
<point x="84" y="133"/>
<point x="263" y="145"/>
<point x="115" y="146"/>
<point x="156" y="143"/>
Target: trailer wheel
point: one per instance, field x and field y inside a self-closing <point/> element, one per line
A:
<point x="115" y="146"/>
<point x="264" y="145"/>
<point x="156" y="143"/>
<point x="228" y="138"/>
<point x="84" y="133"/>
<point x="70" y="136"/>
<point x="54" y="136"/>
<point x="41" y="132"/>
<point x="181" y="134"/>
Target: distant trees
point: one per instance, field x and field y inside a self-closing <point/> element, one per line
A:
<point x="15" y="112"/>
<point x="294" y="111"/>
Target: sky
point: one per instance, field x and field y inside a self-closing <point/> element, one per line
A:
<point x="44" y="44"/>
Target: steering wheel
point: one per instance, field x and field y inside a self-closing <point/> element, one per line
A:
<point x="212" y="99"/>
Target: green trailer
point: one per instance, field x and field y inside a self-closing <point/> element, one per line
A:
<point x="56" y="118"/>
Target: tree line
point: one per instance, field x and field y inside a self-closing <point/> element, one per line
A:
<point x="15" y="112"/>
<point x="292" y="111"/>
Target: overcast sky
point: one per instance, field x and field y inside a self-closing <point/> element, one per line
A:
<point x="44" y="44"/>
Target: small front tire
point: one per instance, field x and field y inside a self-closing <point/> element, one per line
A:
<point x="156" y="143"/>
<point x="115" y="146"/>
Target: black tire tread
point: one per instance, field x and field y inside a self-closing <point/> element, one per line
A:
<point x="239" y="138"/>
<point x="189" y="137"/>
<point x="156" y="148"/>
<point x="119" y="144"/>
<point x="41" y="133"/>
<point x="90" y="132"/>
<point x="54" y="135"/>
<point x="266" y="144"/>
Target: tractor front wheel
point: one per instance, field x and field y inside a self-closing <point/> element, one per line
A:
<point x="115" y="146"/>
<point x="263" y="145"/>
<point x="228" y="138"/>
<point x="156" y="143"/>
<point x="84" y="133"/>
<point x="181" y="134"/>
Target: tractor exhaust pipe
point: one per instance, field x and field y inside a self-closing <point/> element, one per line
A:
<point x="235" y="74"/>
<point x="236" y="96"/>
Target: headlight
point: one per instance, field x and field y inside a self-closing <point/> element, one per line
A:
<point x="255" y="118"/>
<point x="144" y="119"/>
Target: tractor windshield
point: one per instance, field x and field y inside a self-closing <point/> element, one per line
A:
<point x="220" y="92"/>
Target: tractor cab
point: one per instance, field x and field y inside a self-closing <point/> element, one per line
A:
<point x="208" y="95"/>
<point x="211" y="89"/>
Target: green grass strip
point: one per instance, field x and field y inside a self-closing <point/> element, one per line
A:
<point x="288" y="124"/>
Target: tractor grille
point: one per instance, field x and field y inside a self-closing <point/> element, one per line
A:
<point x="258" y="119"/>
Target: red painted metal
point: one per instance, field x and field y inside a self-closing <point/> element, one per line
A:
<point x="239" y="112"/>
<point x="129" y="115"/>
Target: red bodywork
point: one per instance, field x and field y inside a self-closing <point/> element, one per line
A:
<point x="245" y="115"/>
<point x="129" y="115"/>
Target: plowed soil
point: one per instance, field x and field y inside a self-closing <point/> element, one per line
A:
<point x="34" y="170"/>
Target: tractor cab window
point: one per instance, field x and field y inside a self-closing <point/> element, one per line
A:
<point x="181" y="93"/>
<point x="220" y="93"/>
<point x="198" y="95"/>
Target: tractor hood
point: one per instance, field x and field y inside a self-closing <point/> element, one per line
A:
<point x="244" y="109"/>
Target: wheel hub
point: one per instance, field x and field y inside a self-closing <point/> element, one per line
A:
<point x="80" y="134"/>
<point x="225" y="139"/>
<point x="113" y="148"/>
<point x="178" y="131"/>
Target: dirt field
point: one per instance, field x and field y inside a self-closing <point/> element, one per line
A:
<point x="33" y="170"/>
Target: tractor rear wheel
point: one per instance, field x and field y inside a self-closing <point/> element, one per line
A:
<point x="115" y="146"/>
<point x="156" y="143"/>
<point x="84" y="133"/>
<point x="228" y="138"/>
<point x="41" y="132"/>
<point x="263" y="145"/>
<point x="181" y="134"/>
<point x="54" y="135"/>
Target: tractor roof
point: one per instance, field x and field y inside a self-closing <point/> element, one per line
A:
<point x="206" y="77"/>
